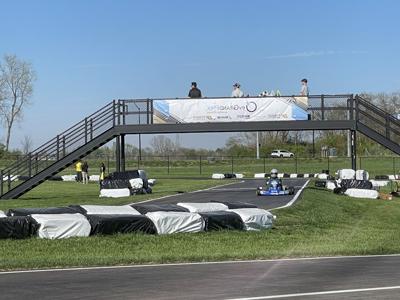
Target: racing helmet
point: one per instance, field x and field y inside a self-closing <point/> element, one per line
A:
<point x="274" y="173"/>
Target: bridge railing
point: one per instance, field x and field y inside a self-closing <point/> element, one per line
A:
<point x="60" y="146"/>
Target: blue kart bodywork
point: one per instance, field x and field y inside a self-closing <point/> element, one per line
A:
<point x="275" y="191"/>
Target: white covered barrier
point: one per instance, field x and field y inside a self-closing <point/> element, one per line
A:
<point x="2" y="214"/>
<point x="168" y="222"/>
<point x="255" y="218"/>
<point x="346" y="174"/>
<point x="218" y="176"/>
<point x="136" y="183"/>
<point x="152" y="182"/>
<point x="239" y="175"/>
<point x="61" y="226"/>
<point x="109" y="210"/>
<point x="379" y="183"/>
<point x="203" y="207"/>
<point x="323" y="176"/>
<point x="94" y="178"/>
<point x="115" y="193"/>
<point x="362" y="175"/>
<point x="68" y="177"/>
<point x="259" y="175"/>
<point x="330" y="185"/>
<point x="362" y="193"/>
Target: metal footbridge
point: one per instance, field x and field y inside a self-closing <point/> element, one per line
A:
<point x="135" y="116"/>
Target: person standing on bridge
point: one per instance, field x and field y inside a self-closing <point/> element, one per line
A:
<point x="304" y="88"/>
<point x="237" y="93"/>
<point x="194" y="91"/>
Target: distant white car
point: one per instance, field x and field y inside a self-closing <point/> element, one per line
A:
<point x="281" y="153"/>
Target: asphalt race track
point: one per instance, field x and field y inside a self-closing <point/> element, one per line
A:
<point x="327" y="278"/>
<point x="242" y="191"/>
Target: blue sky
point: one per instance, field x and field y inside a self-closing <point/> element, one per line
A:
<point x="87" y="53"/>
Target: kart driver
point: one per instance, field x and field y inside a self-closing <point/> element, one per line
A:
<point x="273" y="181"/>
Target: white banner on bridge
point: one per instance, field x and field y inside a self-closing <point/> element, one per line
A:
<point x="227" y="110"/>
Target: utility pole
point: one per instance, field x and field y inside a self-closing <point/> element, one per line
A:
<point x="258" y="146"/>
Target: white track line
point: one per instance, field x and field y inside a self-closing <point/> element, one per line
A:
<point x="396" y="287"/>
<point x="173" y="195"/>
<point x="291" y="202"/>
<point x="279" y="260"/>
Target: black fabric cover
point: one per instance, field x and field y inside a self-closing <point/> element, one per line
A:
<point x="286" y="175"/>
<point x="320" y="183"/>
<point x="18" y="227"/>
<point x="109" y="183"/>
<point x="222" y="220"/>
<point x="300" y="175"/>
<point x="145" y="208"/>
<point x="236" y="205"/>
<point x="41" y="210"/>
<point x="126" y="175"/>
<point x="111" y="224"/>
<point x="78" y="209"/>
<point x="356" y="184"/>
<point x="382" y="177"/>
<point x="229" y="175"/>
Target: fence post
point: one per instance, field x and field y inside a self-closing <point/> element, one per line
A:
<point x="86" y="129"/>
<point x="200" y="164"/>
<point x="1" y="182"/>
<point x="168" y="164"/>
<point x="295" y="163"/>
<point x="328" y="165"/>
<point x="91" y="128"/>
<point x="322" y="107"/>
<point x="36" y="163"/>
<point x="30" y="164"/>
<point x="394" y="166"/>
<point x="108" y="163"/>
<point x="63" y="143"/>
<point x="113" y="113"/>
<point x="58" y="147"/>
<point x="232" y="164"/>
<point x="9" y="180"/>
<point x="264" y="163"/>
<point x="138" y="162"/>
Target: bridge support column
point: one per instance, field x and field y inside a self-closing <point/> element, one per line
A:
<point x="117" y="154"/>
<point x="353" y="150"/>
<point x="122" y="150"/>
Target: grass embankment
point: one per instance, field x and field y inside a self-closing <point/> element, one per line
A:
<point x="319" y="224"/>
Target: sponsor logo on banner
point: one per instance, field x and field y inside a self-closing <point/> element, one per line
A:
<point x="227" y="110"/>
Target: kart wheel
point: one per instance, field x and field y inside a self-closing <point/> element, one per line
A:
<point x="291" y="190"/>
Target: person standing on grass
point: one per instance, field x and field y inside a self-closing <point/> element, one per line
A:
<point x="78" y="169"/>
<point x="102" y="172"/>
<point x="85" y="171"/>
<point x="194" y="91"/>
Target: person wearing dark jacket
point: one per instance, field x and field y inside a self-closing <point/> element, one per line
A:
<point x="85" y="173"/>
<point x="194" y="91"/>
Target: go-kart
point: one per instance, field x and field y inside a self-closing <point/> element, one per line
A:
<point x="276" y="190"/>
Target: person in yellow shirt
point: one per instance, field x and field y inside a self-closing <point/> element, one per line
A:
<point x="78" y="169"/>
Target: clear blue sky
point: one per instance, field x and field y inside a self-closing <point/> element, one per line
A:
<point x="87" y="53"/>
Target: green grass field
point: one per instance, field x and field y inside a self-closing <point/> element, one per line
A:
<point x="319" y="224"/>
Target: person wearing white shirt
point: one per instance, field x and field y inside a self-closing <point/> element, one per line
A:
<point x="237" y="93"/>
<point x="304" y="88"/>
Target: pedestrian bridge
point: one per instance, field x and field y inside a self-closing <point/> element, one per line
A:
<point x="150" y="116"/>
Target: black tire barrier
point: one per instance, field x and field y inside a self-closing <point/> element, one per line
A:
<point x="18" y="227"/>
<point x="291" y="190"/>
<point x="222" y="220"/>
<point x="382" y="177"/>
<point x="320" y="183"/>
<point x="42" y="210"/>
<point x="145" y="208"/>
<point x="112" y="224"/>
